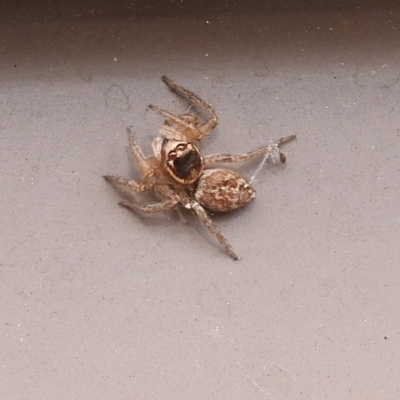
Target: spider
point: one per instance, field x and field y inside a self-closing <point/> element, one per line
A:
<point x="180" y="174"/>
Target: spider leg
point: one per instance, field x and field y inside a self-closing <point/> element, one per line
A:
<point x="285" y="140"/>
<point x="144" y="166"/>
<point x="130" y="183"/>
<point x="190" y="204"/>
<point x="187" y="117"/>
<point x="152" y="208"/>
<point x="188" y="129"/>
<point x="190" y="118"/>
<point x="206" y="220"/>
<point x="269" y="151"/>
<point x="206" y="127"/>
<point x="209" y="125"/>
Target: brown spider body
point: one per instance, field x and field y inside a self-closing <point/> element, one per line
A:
<point x="223" y="190"/>
<point x="180" y="174"/>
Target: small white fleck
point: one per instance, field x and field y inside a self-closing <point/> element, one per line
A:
<point x="115" y="58"/>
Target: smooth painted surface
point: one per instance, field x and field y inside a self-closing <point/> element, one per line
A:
<point x="97" y="303"/>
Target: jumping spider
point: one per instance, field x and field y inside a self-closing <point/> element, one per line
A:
<point x="180" y="174"/>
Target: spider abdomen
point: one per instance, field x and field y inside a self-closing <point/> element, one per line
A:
<point x="223" y="190"/>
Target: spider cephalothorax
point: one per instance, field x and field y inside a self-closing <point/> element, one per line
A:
<point x="180" y="174"/>
<point x="182" y="161"/>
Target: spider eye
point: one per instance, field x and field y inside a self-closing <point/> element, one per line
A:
<point x="172" y="155"/>
<point x="181" y="147"/>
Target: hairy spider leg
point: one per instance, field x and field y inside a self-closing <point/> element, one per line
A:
<point x="201" y="213"/>
<point x="149" y="178"/>
<point x="268" y="150"/>
<point x="172" y="199"/>
<point x="206" y="220"/>
<point x="207" y="126"/>
<point x="169" y="195"/>
<point x="129" y="183"/>
<point x="144" y="162"/>
<point x="152" y="208"/>
<point x="186" y="128"/>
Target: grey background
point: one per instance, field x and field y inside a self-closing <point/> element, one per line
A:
<point x="98" y="303"/>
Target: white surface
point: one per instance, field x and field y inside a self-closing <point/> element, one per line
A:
<point x="98" y="303"/>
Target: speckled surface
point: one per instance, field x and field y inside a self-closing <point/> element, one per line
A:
<point x="97" y="303"/>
